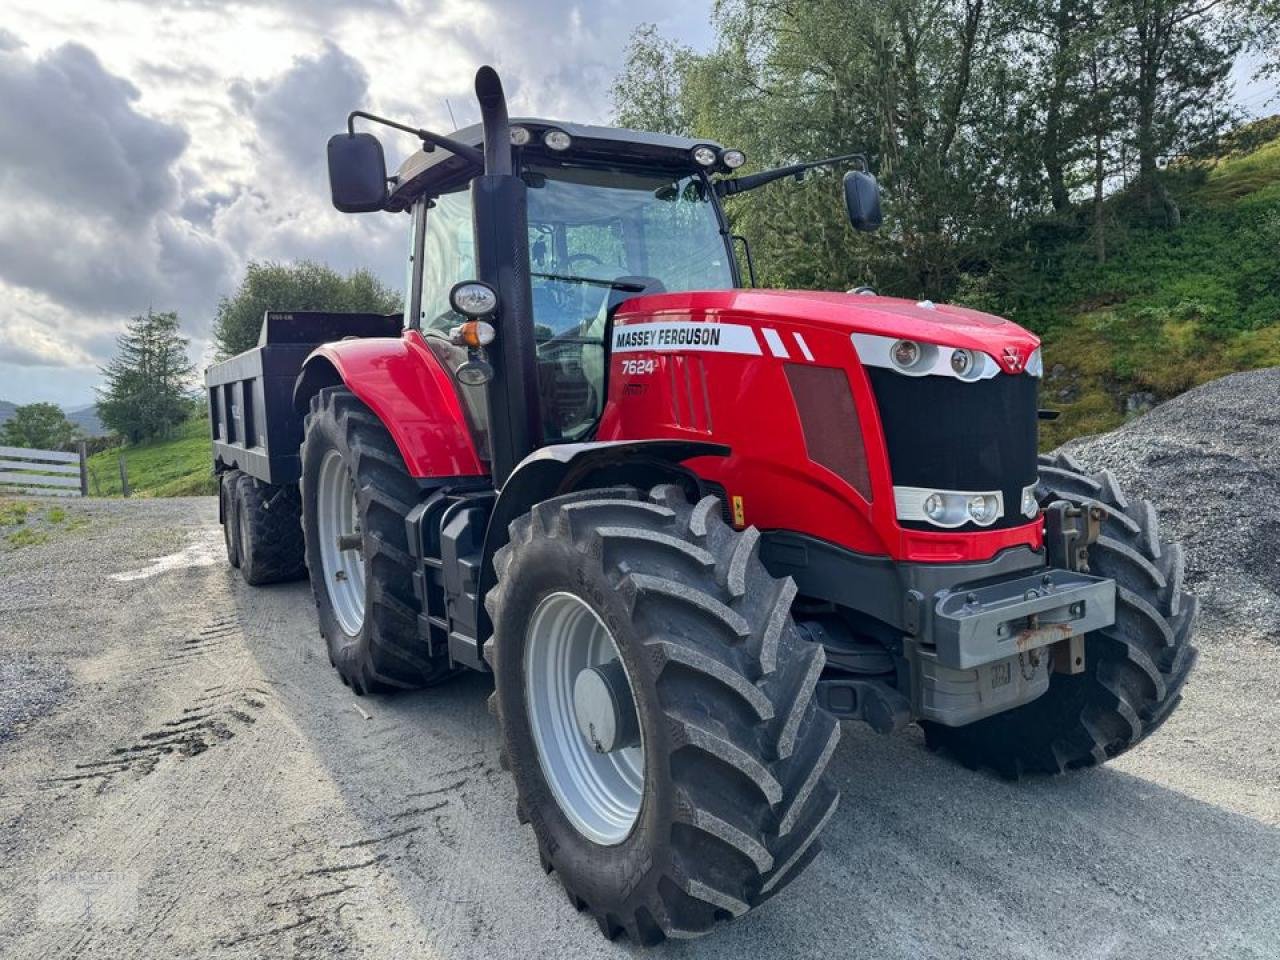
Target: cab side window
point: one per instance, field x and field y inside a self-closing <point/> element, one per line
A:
<point x="448" y="257"/>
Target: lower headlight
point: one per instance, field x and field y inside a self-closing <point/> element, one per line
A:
<point x="948" y="508"/>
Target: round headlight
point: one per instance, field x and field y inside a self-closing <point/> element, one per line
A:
<point x="520" y="136"/>
<point x="962" y="362"/>
<point x="556" y="140"/>
<point x="733" y="159"/>
<point x="982" y="509"/>
<point x="905" y="354"/>
<point x="704" y="156"/>
<point x="935" y="508"/>
<point x="474" y="299"/>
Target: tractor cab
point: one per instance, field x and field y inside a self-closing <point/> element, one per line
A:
<point x="610" y="214"/>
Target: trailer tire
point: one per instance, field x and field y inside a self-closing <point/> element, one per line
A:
<point x="228" y="503"/>
<point x="269" y="521"/>
<point x="732" y="743"/>
<point x="383" y="651"/>
<point x="1134" y="670"/>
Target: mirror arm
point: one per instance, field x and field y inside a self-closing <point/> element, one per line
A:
<point x="429" y="140"/>
<point x="727" y="188"/>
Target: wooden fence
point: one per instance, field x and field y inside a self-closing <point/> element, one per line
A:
<point x="45" y="473"/>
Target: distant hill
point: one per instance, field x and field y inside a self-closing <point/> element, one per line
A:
<point x="86" y="418"/>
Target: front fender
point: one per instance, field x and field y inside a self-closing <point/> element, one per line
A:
<point x="409" y="390"/>
<point x="563" y="468"/>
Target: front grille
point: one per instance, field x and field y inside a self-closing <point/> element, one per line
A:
<point x="947" y="434"/>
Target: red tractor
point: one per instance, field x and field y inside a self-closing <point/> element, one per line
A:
<point x="688" y="526"/>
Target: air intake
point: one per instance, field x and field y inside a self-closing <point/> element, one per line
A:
<point x="832" y="433"/>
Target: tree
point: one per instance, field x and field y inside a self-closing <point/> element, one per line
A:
<point x="39" y="426"/>
<point x="304" y="285"/>
<point x="649" y="93"/>
<point x="148" y="380"/>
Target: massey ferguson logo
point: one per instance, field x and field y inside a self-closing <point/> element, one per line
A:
<point x="1013" y="359"/>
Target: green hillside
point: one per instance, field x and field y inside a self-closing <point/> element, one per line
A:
<point x="1168" y="309"/>
<point x="180" y="466"/>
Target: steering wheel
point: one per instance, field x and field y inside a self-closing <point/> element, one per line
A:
<point x="589" y="257"/>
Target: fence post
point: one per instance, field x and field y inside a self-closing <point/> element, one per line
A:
<point x="124" y="477"/>
<point x="82" y="446"/>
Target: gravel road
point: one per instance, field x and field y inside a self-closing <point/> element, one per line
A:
<point x="183" y="775"/>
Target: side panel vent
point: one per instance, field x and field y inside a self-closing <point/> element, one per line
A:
<point x="832" y="433"/>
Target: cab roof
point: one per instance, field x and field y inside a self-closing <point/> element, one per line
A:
<point x="432" y="173"/>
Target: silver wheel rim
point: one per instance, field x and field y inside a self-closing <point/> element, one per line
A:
<point x="337" y="515"/>
<point x="599" y="793"/>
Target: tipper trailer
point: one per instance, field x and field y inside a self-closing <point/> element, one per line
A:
<point x="687" y="526"/>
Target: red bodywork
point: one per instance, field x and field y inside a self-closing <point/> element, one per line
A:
<point x="743" y="400"/>
<point x="413" y="395"/>
<point x="740" y="399"/>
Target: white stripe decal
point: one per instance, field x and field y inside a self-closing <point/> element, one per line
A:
<point x="776" y="345"/>
<point x="682" y="336"/>
<point x="804" y="347"/>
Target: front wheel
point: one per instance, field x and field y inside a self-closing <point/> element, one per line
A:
<point x="356" y="493"/>
<point x="657" y="710"/>
<point x="1134" y="669"/>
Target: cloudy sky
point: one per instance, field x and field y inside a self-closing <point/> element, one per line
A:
<point x="149" y="149"/>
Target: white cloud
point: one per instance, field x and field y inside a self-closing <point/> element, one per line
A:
<point x="148" y="150"/>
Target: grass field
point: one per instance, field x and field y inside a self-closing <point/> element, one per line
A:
<point x="180" y="466"/>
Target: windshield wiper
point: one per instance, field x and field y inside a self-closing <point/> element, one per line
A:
<point x="628" y="285"/>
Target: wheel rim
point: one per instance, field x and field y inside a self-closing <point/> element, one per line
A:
<point x="338" y="515"/>
<point x="599" y="793"/>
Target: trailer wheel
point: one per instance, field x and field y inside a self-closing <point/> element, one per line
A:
<point x="1134" y="670"/>
<point x="657" y="710"/>
<point x="270" y="528"/>
<point x="227" y="505"/>
<point x="356" y="493"/>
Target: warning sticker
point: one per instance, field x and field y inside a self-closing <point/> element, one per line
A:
<point x="681" y="336"/>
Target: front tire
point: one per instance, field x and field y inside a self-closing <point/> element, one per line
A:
<point x="1134" y="670"/>
<point x="355" y="485"/>
<point x="731" y="792"/>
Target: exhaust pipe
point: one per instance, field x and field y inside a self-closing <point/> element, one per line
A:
<point x="502" y="261"/>
<point x="497" y="129"/>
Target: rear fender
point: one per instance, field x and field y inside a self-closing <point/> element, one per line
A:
<point x="563" y="468"/>
<point x="409" y="390"/>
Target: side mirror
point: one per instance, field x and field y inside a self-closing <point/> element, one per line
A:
<point x="357" y="172"/>
<point x="862" y="200"/>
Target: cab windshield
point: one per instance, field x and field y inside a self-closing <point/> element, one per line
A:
<point x="596" y="237"/>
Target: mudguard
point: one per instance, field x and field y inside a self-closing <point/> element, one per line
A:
<point x="409" y="390"/>
<point x="561" y="468"/>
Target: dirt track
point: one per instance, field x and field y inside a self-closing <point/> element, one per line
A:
<point x="201" y="784"/>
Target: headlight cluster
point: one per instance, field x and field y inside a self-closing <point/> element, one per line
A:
<point x="916" y="358"/>
<point x="949" y="508"/>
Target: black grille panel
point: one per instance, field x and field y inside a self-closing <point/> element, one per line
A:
<point x="951" y="435"/>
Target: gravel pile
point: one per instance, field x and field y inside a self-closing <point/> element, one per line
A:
<point x="1210" y="461"/>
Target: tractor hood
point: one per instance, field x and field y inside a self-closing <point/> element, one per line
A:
<point x="847" y="313"/>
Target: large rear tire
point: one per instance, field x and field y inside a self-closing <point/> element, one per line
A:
<point x="354" y="484"/>
<point x="727" y="789"/>
<point x="270" y="527"/>
<point x="1134" y="670"/>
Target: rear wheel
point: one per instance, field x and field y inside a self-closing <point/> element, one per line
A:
<point x="1134" y="669"/>
<point x="227" y="507"/>
<point x="657" y="710"/>
<point x="270" y="527"/>
<point x="356" y="493"/>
